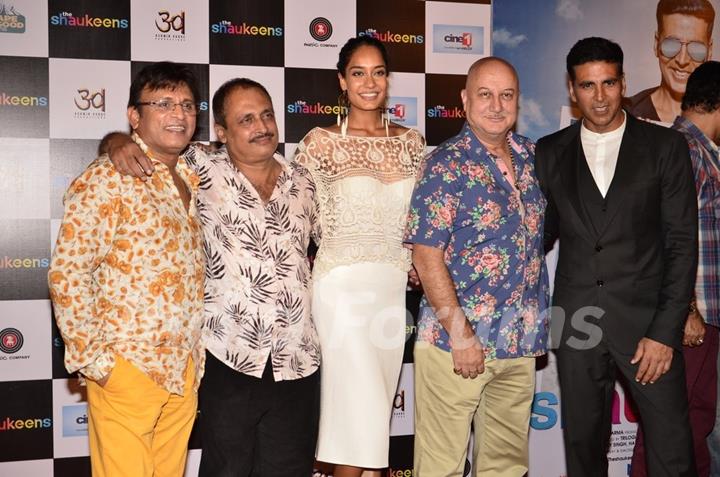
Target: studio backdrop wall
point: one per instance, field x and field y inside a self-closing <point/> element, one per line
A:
<point x="65" y="71"/>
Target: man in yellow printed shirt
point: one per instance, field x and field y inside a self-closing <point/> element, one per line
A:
<point x="126" y="281"/>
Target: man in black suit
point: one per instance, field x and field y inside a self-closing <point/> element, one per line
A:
<point x="621" y="199"/>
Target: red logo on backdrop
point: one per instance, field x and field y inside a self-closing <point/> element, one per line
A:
<point x="399" y="111"/>
<point x="11" y="340"/>
<point x="467" y="39"/>
<point x="321" y="29"/>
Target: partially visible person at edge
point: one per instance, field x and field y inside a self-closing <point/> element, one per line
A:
<point x="683" y="41"/>
<point x="259" y="398"/>
<point x="126" y="282"/>
<point x="364" y="168"/>
<point x="621" y="200"/>
<point x="476" y="228"/>
<point x="700" y="124"/>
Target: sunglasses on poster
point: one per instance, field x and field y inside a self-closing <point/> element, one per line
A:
<point x="670" y="47"/>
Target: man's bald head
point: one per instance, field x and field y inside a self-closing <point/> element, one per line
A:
<point x="489" y="63"/>
<point x="490" y="99"/>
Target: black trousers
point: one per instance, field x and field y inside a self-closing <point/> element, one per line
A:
<point x="587" y="381"/>
<point x="257" y="427"/>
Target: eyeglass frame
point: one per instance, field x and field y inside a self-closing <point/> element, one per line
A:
<point x="686" y="44"/>
<point x="182" y="104"/>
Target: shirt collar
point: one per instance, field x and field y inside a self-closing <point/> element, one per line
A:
<point x="285" y="179"/>
<point x="615" y="134"/>
<point x="685" y="125"/>
<point x="181" y="167"/>
<point x="472" y="140"/>
<point x="286" y="176"/>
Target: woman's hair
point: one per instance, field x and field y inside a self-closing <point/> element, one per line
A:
<point x="353" y="44"/>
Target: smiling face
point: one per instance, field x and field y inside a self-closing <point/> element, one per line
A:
<point x="167" y="134"/>
<point x="676" y="70"/>
<point x="251" y="133"/>
<point x="490" y="100"/>
<point x="365" y="79"/>
<point x="598" y="90"/>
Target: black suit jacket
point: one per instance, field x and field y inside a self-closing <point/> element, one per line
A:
<point x="639" y="269"/>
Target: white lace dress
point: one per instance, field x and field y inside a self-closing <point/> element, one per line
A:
<point x="364" y="185"/>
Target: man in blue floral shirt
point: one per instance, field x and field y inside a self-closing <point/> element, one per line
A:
<point x="476" y="228"/>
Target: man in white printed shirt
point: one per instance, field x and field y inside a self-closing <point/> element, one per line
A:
<point x="259" y="398"/>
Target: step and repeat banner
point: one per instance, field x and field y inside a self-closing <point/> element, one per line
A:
<point x="66" y="67"/>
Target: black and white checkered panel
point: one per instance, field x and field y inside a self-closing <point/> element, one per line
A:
<point x="65" y="71"/>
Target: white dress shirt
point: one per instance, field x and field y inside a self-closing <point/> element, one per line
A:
<point x="601" y="153"/>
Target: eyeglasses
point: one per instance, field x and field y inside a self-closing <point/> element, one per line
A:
<point x="670" y="47"/>
<point x="164" y="106"/>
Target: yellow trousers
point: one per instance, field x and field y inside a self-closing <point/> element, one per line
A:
<point x="136" y="428"/>
<point x="497" y="402"/>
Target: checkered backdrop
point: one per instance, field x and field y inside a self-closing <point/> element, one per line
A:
<point x="66" y="69"/>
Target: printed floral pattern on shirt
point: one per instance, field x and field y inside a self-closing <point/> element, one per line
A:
<point x="258" y="281"/>
<point x="127" y="273"/>
<point x="491" y="234"/>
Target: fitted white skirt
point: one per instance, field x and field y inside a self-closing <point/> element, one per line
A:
<point x="359" y="311"/>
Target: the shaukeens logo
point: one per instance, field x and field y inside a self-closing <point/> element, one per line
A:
<point x="11" y="21"/>
<point x="441" y="111"/>
<point x="27" y="262"/>
<point x="403" y="110"/>
<point x="74" y="420"/>
<point x="302" y="107"/>
<point x="321" y="29"/>
<point x="226" y="27"/>
<point x="390" y="37"/>
<point x="11" y="340"/>
<point x="67" y="19"/>
<point x="12" y="424"/>
<point x="26" y="101"/>
<point x="58" y="342"/>
<point x="90" y="104"/>
<point x="401" y="472"/>
<point x="169" y="26"/>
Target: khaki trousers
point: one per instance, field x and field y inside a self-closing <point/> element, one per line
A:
<point x="497" y="402"/>
<point x="136" y="428"/>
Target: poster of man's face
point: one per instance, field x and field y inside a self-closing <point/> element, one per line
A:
<point x="663" y="42"/>
<point x="682" y="42"/>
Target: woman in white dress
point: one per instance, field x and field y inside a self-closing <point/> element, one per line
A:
<point x="364" y="168"/>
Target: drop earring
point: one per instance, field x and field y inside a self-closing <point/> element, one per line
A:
<point x="342" y="115"/>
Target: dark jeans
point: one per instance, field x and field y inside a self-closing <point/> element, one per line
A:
<point x="701" y="380"/>
<point x="257" y="427"/>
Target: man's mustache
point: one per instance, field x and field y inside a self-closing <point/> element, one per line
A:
<point x="262" y="136"/>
